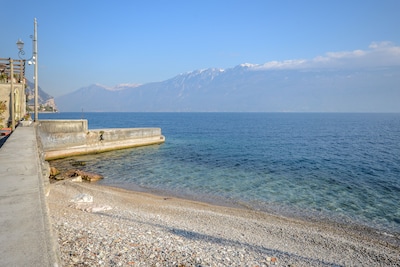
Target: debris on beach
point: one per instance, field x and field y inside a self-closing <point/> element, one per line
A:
<point x="90" y="207"/>
<point x="99" y="208"/>
<point x="82" y="198"/>
<point x="84" y="202"/>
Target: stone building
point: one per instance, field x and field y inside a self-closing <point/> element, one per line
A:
<point x="12" y="92"/>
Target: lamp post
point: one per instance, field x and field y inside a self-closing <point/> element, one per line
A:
<point x="34" y="58"/>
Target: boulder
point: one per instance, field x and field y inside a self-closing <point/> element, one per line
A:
<point x="88" y="176"/>
<point x="58" y="177"/>
<point x="54" y="171"/>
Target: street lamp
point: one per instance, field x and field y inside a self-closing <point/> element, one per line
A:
<point x="34" y="58"/>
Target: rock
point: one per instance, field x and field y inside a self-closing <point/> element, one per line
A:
<point x="77" y="163"/>
<point x="88" y="176"/>
<point x="54" y="171"/>
<point x="70" y="173"/>
<point x="77" y="179"/>
<point x="101" y="208"/>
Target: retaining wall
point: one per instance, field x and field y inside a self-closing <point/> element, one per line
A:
<point x="65" y="138"/>
<point x="26" y="237"/>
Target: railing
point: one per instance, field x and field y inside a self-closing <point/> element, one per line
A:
<point x="18" y="70"/>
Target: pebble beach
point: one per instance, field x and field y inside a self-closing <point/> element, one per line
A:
<point x="97" y="225"/>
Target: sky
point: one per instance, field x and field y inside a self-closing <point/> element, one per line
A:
<point x="82" y="42"/>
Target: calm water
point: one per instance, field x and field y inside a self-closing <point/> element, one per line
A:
<point x="335" y="166"/>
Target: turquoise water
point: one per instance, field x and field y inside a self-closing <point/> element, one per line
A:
<point x="343" y="167"/>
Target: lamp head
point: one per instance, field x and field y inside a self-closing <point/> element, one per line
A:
<point x="20" y="44"/>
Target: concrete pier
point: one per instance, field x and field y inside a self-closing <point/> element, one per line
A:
<point x="65" y="138"/>
<point x="26" y="238"/>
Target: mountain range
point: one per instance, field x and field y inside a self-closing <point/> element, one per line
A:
<point x="248" y="88"/>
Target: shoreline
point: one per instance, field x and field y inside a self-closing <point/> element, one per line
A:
<point x="133" y="228"/>
<point x="383" y="232"/>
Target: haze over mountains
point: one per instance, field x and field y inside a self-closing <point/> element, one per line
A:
<point x="249" y="88"/>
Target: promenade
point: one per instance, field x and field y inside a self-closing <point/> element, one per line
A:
<point x="25" y="231"/>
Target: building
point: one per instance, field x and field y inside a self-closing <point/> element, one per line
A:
<point x="12" y="92"/>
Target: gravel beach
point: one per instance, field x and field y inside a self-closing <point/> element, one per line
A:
<point x="104" y="226"/>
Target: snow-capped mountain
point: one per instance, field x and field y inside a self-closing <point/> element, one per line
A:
<point x="249" y="87"/>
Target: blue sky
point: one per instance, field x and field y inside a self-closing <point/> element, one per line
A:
<point x="82" y="42"/>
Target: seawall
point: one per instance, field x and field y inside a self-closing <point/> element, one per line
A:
<point x="26" y="237"/>
<point x="65" y="138"/>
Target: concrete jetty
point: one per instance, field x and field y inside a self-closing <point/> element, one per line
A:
<point x="26" y="237"/>
<point x="65" y="138"/>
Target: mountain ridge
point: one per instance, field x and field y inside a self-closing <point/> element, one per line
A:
<point x="44" y="99"/>
<point x="248" y="87"/>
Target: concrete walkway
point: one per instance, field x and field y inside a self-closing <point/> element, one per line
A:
<point x="25" y="230"/>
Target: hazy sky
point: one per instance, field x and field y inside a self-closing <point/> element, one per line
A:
<point x="82" y="42"/>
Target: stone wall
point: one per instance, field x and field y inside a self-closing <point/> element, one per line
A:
<point x="20" y="102"/>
